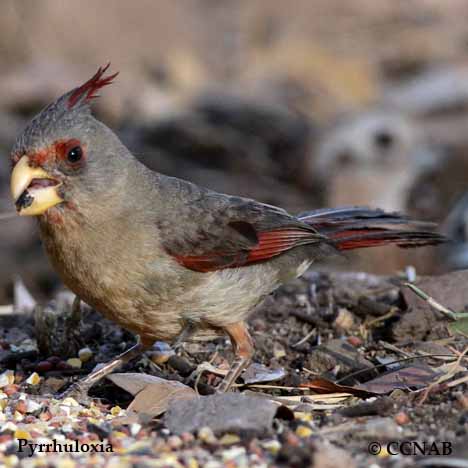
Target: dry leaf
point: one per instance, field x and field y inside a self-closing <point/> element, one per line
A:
<point x="257" y="373"/>
<point x="152" y="394"/>
<point x="407" y="377"/>
<point x="324" y="386"/>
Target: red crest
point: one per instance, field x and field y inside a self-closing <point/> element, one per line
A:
<point x="87" y="91"/>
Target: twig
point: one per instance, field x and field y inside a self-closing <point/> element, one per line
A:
<point x="393" y="348"/>
<point x="391" y="313"/>
<point x="301" y="315"/>
<point x="271" y="387"/>
<point x="377" y="366"/>
<point x="456" y="382"/>
<point x="303" y="340"/>
<point x="431" y="301"/>
<point x="454" y="367"/>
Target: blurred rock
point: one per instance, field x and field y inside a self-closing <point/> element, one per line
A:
<point x="439" y="194"/>
<point x="442" y="89"/>
<point x="455" y="255"/>
<point x="369" y="158"/>
<point x="440" y="185"/>
<point x="373" y="158"/>
<point x="234" y="144"/>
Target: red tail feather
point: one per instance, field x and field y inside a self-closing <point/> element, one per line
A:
<point x="358" y="227"/>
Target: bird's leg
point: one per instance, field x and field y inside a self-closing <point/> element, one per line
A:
<point x="186" y="332"/>
<point x="76" y="310"/>
<point x="79" y="390"/>
<point x="243" y="350"/>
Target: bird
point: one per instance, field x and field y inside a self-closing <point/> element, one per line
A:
<point x="161" y="256"/>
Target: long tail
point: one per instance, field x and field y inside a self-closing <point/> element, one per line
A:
<point x="360" y="227"/>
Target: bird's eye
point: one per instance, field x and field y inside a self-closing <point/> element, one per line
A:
<point x="75" y="154"/>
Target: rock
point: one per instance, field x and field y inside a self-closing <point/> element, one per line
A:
<point x="449" y="290"/>
<point x="152" y="394"/>
<point x="57" y="329"/>
<point x="75" y="363"/>
<point x="419" y="324"/>
<point x="440" y="186"/>
<point x="338" y="353"/>
<point x="363" y="151"/>
<point x="85" y="354"/>
<point x="454" y="256"/>
<point x="380" y="429"/>
<point x="230" y="412"/>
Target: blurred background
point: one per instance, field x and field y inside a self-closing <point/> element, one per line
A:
<point x="302" y="104"/>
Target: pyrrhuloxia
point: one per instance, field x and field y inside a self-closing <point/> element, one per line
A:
<point x="160" y="255"/>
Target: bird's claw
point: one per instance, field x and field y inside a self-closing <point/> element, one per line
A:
<point x="77" y="391"/>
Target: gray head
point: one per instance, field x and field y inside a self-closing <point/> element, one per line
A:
<point x="65" y="153"/>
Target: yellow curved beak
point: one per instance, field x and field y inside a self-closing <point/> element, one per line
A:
<point x="32" y="201"/>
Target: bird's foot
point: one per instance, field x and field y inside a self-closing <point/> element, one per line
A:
<point x="243" y="349"/>
<point x="78" y="391"/>
<point x="239" y="364"/>
<point x="186" y="333"/>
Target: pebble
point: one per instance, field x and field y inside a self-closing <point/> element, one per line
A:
<point x="161" y="352"/>
<point x="302" y="416"/>
<point x="11" y="389"/>
<point x="116" y="411"/>
<point x="69" y="402"/>
<point x="85" y="354"/>
<point x="205" y="434"/>
<point x="272" y="446"/>
<point x="32" y="406"/>
<point x="402" y="418"/>
<point x="304" y="431"/>
<point x="33" y="379"/>
<point x="7" y="378"/>
<point x="9" y="426"/>
<point x="44" y="366"/>
<point x="62" y="365"/>
<point x="344" y="319"/>
<point x="278" y="351"/>
<point x="187" y="437"/>
<point x="135" y="428"/>
<point x="22" y="434"/>
<point x="11" y="461"/>
<point x="192" y="463"/>
<point x="175" y="442"/>
<point x="354" y="341"/>
<point x="75" y="363"/>
<point x="54" y="360"/>
<point x="229" y="439"/>
<point x="21" y="406"/>
<point x="234" y="453"/>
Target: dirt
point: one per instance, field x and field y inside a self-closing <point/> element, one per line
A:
<point x="352" y="352"/>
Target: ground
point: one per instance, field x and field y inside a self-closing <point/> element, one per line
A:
<point x="349" y="328"/>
